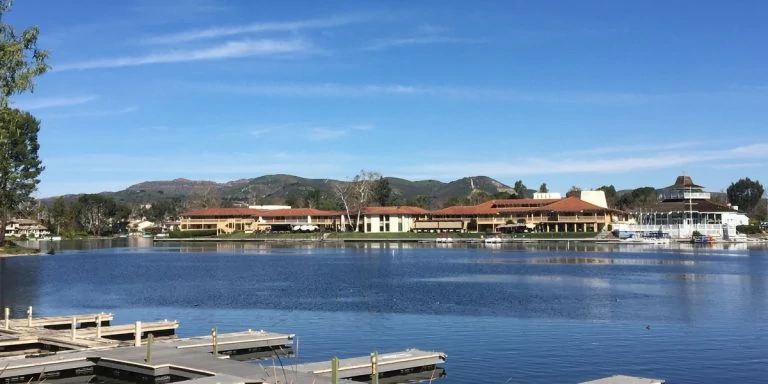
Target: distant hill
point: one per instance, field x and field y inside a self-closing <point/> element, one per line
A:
<point x="275" y="189"/>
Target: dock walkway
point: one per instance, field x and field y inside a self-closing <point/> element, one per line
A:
<point x="90" y="349"/>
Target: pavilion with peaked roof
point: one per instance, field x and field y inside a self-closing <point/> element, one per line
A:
<point x="684" y="208"/>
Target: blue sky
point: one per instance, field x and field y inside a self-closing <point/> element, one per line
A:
<point x="568" y="93"/>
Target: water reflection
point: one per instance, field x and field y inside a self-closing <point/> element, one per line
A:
<point x="19" y="284"/>
<point x="578" y="309"/>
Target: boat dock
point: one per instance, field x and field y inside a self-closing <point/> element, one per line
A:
<point x="407" y="362"/>
<point x="622" y="379"/>
<point x="90" y="348"/>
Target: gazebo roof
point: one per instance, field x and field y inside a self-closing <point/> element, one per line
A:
<point x="684" y="182"/>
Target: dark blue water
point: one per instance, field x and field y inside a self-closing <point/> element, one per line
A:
<point x="561" y="313"/>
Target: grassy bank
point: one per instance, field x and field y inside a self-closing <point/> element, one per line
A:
<point x="555" y="235"/>
<point x="10" y="248"/>
<point x="331" y="236"/>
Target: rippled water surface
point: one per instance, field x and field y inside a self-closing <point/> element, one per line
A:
<point x="560" y="313"/>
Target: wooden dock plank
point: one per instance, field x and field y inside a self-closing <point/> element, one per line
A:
<point x="387" y="362"/>
<point x="60" y="320"/>
<point x="236" y="340"/>
<point x="128" y="329"/>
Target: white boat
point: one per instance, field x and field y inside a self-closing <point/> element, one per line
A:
<point x="645" y="240"/>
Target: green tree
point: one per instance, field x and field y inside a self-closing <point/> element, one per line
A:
<point x="20" y="59"/>
<point x="642" y="197"/>
<point x="20" y="166"/>
<point x="543" y="188"/>
<point x="573" y="192"/>
<point x="504" y="195"/>
<point x="20" y="62"/>
<point x="97" y="213"/>
<point x="422" y="201"/>
<point x="521" y="190"/>
<point x="610" y="194"/>
<point x="746" y="194"/>
<point x="382" y="192"/>
<point x="478" y="197"/>
<point x="456" y="200"/>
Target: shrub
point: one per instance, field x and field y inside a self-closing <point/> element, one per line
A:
<point x="192" y="233"/>
<point x="748" y="229"/>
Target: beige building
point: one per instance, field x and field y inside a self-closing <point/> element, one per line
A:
<point x="25" y="227"/>
<point x="570" y="214"/>
<point x="228" y="220"/>
<point x="544" y="215"/>
<point x="392" y="219"/>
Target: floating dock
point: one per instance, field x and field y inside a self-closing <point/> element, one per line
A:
<point x="92" y="348"/>
<point x="621" y="379"/>
<point x="388" y="364"/>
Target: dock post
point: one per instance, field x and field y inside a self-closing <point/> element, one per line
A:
<point x="7" y="317"/>
<point x="74" y="328"/>
<point x="137" y="334"/>
<point x="215" y="340"/>
<point x="335" y="370"/>
<point x="375" y="368"/>
<point x="150" y="340"/>
<point x="29" y="316"/>
<point x="98" y="326"/>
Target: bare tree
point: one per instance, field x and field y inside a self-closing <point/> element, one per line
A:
<point x="356" y="195"/>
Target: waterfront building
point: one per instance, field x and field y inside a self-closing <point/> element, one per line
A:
<point x="25" y="227"/>
<point x="571" y="214"/>
<point x="392" y="219"/>
<point x="229" y="220"/>
<point x="684" y="208"/>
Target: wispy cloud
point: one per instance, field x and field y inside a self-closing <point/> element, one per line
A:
<point x="368" y="90"/>
<point x="740" y="165"/>
<point x="626" y="149"/>
<point x="212" y="166"/>
<point x="260" y="131"/>
<point x="382" y="44"/>
<point x="426" y="34"/>
<point x="282" y="26"/>
<point x="54" y="102"/>
<point x="228" y="50"/>
<point x="613" y="164"/>
<point x="324" y="133"/>
<point x="92" y="113"/>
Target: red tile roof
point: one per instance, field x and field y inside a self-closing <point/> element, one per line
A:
<point x="571" y="204"/>
<point x="292" y="212"/>
<point x="465" y="210"/>
<point x="400" y="210"/>
<point x="208" y="212"/>
<point x="492" y="207"/>
<point x="248" y="212"/>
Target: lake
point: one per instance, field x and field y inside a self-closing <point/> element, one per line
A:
<point x="555" y="313"/>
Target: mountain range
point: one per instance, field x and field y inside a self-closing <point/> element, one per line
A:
<point x="276" y="189"/>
